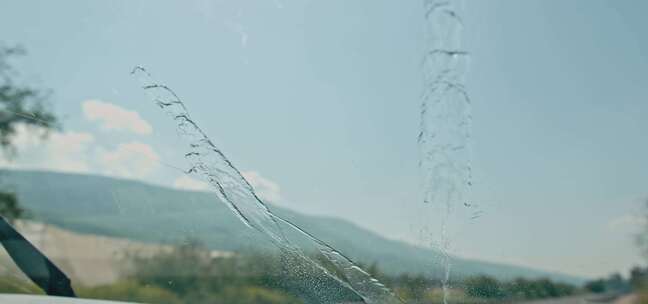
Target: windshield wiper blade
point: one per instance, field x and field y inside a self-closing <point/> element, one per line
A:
<point x="34" y="263"/>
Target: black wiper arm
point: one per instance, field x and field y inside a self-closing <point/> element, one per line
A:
<point x="34" y="263"/>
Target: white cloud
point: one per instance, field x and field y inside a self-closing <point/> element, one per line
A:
<point x="79" y="152"/>
<point x="266" y="189"/>
<point x="113" y="117"/>
<point x="130" y="160"/>
<point x="187" y="183"/>
<point x="59" y="151"/>
<point x="627" y="222"/>
<point x="72" y="151"/>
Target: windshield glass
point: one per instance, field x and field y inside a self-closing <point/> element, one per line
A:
<point x="297" y="151"/>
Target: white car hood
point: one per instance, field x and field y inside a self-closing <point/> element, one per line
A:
<point x="30" y="299"/>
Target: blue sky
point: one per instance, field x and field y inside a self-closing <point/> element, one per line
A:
<point x="317" y="101"/>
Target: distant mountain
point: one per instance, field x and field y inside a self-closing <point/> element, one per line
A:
<point x="142" y="212"/>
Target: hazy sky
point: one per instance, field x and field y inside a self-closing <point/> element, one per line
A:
<point x="317" y="101"/>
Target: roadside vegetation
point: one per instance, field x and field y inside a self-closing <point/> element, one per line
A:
<point x="639" y="275"/>
<point x="192" y="274"/>
<point x="639" y="283"/>
<point x="21" y="105"/>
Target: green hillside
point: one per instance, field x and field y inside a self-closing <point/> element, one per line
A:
<point x="143" y="212"/>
